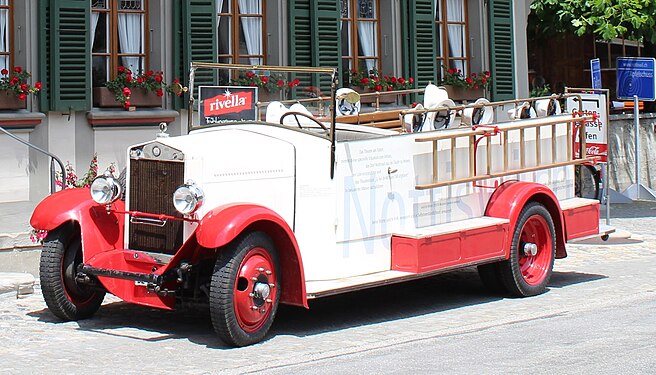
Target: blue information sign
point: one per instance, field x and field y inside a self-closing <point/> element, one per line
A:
<point x="635" y="76"/>
<point x="595" y="71"/>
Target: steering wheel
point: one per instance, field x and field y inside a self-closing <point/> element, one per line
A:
<point x="296" y="114"/>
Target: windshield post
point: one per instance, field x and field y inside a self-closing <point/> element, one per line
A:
<point x="333" y="115"/>
<point x="190" y="109"/>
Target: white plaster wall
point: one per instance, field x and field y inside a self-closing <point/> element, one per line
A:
<point x="14" y="168"/>
<point x="111" y="144"/>
<point x="61" y="136"/>
<point x="520" y="19"/>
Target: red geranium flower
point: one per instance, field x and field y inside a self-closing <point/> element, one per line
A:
<point x="4" y="72"/>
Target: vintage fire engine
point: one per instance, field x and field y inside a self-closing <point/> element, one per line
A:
<point x="246" y="215"/>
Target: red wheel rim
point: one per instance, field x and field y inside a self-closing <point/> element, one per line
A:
<point x="536" y="268"/>
<point x="252" y="308"/>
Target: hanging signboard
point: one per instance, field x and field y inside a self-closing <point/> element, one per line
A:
<point x="596" y="141"/>
<point x="220" y="104"/>
<point x="635" y="76"/>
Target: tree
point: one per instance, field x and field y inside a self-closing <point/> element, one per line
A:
<point x="606" y="19"/>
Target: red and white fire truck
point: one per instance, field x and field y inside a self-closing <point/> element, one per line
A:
<point x="245" y="215"/>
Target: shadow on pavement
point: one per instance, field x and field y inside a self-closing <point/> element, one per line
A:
<point x="563" y="279"/>
<point x="632" y="210"/>
<point x="444" y="292"/>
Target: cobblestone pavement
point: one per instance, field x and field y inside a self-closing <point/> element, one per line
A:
<point x="123" y="338"/>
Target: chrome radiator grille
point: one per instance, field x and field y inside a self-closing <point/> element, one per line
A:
<point x="152" y="183"/>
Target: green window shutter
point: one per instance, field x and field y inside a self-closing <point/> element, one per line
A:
<point x="180" y="71"/>
<point x="199" y="40"/>
<point x="69" y="52"/>
<point x="421" y="44"/>
<point x="314" y="37"/>
<point x="501" y="47"/>
<point x="300" y="33"/>
<point x="44" y="53"/>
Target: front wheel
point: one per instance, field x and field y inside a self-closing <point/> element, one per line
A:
<point x="532" y="252"/>
<point x="64" y="296"/>
<point x="245" y="290"/>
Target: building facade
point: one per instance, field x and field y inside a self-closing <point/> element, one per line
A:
<point x="72" y="47"/>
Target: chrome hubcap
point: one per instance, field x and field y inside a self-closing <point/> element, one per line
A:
<point x="530" y="249"/>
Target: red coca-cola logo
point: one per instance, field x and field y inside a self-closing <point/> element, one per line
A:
<point x="228" y="103"/>
<point x="593" y="150"/>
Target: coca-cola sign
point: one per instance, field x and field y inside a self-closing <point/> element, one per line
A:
<point x="596" y="130"/>
<point x="220" y="104"/>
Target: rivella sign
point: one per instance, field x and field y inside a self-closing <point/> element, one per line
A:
<point x="635" y="76"/>
<point x="219" y="104"/>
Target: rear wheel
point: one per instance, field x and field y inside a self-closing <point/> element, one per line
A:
<point x="64" y="296"/>
<point x="587" y="182"/>
<point x="245" y="290"/>
<point x="532" y="253"/>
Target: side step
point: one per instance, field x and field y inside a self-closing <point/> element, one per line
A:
<point x="147" y="278"/>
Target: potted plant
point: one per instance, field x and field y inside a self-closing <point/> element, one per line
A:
<point x="461" y="87"/>
<point x="270" y="87"/>
<point x="14" y="88"/>
<point x="128" y="90"/>
<point x="372" y="81"/>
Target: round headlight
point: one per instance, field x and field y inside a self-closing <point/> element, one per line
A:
<point x="105" y="189"/>
<point x="188" y="198"/>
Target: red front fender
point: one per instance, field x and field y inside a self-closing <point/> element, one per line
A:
<point x="76" y="205"/>
<point x="509" y="199"/>
<point x="223" y="224"/>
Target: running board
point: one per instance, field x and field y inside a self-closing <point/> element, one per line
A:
<point x="324" y="288"/>
<point x="147" y="278"/>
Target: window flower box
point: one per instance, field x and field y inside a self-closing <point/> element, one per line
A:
<point x="385" y="98"/>
<point x="457" y="93"/>
<point x="139" y="97"/>
<point x="15" y="87"/>
<point x="10" y="101"/>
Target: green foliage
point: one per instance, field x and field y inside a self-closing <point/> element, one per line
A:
<point x="455" y="77"/>
<point x="606" y="19"/>
<point x="540" y="91"/>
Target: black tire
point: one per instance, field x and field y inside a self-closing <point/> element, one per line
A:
<point x="60" y="256"/>
<point x="587" y="182"/>
<point x="241" y="313"/>
<point x="526" y="275"/>
<point x="491" y="277"/>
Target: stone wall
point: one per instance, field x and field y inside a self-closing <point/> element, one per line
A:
<point x="621" y="146"/>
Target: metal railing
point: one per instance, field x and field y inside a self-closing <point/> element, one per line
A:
<point x="53" y="159"/>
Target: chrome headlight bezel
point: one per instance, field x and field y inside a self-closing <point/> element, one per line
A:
<point x="188" y="198"/>
<point x="105" y="189"/>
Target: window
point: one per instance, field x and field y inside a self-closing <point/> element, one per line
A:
<point x="609" y="51"/>
<point x="452" y="35"/>
<point x="119" y="38"/>
<point x="241" y="31"/>
<point x="6" y="28"/>
<point x="360" y="28"/>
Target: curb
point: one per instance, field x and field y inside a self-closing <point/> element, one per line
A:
<point x="21" y="283"/>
